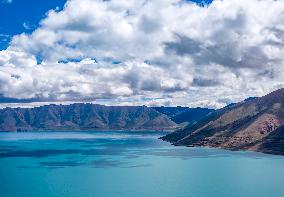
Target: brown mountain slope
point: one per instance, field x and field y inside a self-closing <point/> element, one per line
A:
<point x="248" y="125"/>
<point x="83" y="117"/>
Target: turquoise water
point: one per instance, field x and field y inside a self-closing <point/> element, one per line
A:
<point x="108" y="164"/>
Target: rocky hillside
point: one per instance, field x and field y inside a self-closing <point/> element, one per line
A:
<point x="254" y="124"/>
<point x="83" y="117"/>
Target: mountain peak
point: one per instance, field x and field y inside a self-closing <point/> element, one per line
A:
<point x="276" y="96"/>
<point x="276" y="93"/>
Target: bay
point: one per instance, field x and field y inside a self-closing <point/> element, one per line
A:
<point x="134" y="164"/>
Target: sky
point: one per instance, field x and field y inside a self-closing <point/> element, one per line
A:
<point x="18" y="16"/>
<point x="134" y="52"/>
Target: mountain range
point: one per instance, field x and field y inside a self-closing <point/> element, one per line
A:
<point x="255" y="124"/>
<point x="84" y="116"/>
<point x="81" y="116"/>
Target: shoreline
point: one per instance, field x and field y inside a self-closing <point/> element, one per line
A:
<point x="228" y="149"/>
<point x="93" y="130"/>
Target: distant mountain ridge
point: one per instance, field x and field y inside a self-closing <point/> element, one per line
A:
<point x="255" y="124"/>
<point x="184" y="114"/>
<point x="171" y="111"/>
<point x="83" y="117"/>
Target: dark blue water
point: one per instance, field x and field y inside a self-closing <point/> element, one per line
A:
<point x="126" y="164"/>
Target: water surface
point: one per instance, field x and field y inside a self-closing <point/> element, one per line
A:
<point x="107" y="164"/>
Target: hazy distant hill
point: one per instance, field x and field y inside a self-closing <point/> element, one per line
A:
<point x="83" y="117"/>
<point x="254" y="124"/>
<point x="184" y="114"/>
<point x="171" y="111"/>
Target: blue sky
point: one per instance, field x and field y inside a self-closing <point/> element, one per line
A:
<point x="16" y="13"/>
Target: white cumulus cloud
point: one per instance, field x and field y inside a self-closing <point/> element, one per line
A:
<point x="152" y="52"/>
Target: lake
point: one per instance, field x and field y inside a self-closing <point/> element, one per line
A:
<point x="129" y="164"/>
